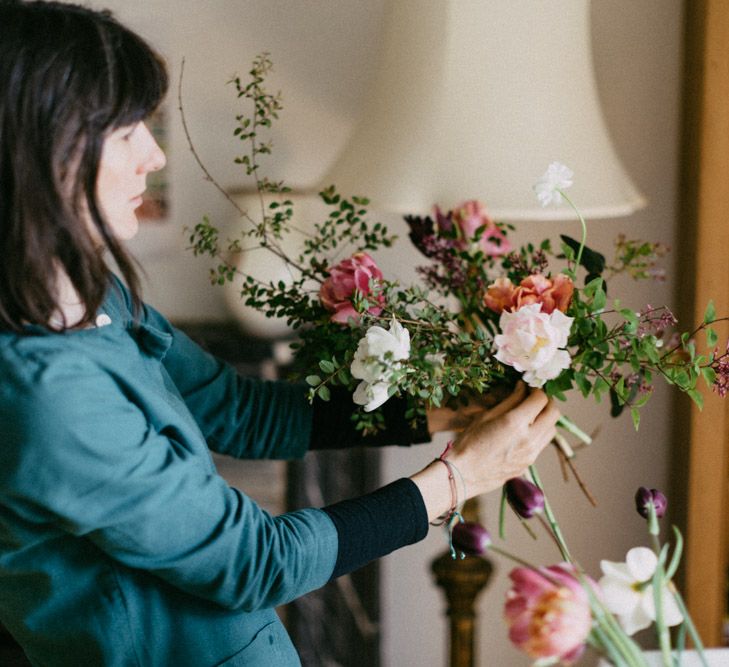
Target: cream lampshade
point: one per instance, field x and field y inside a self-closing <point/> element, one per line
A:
<point x="473" y="99"/>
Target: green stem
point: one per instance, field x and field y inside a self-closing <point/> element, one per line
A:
<point x="551" y="518"/>
<point x="664" y="638"/>
<point x="691" y="627"/>
<point x="568" y="425"/>
<point x="584" y="228"/>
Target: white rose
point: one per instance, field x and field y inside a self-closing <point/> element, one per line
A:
<point x="532" y="342"/>
<point x="378" y="353"/>
<point x="372" y="396"/>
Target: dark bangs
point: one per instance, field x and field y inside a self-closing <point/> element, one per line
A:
<point x="137" y="77"/>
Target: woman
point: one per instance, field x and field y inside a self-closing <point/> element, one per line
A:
<point x="119" y="543"/>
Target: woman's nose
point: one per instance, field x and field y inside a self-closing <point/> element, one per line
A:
<point x="155" y="158"/>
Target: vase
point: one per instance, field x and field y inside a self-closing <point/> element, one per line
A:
<point x="265" y="265"/>
<point x="715" y="657"/>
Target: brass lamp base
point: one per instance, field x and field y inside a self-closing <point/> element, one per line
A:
<point x="462" y="581"/>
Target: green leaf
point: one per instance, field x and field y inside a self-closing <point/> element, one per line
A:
<point x="313" y="380"/>
<point x="324" y="393"/>
<point x="593" y="261"/>
<point x="631" y="320"/>
<point x="583" y="384"/>
<point x="635" y="414"/>
<point x="677" y="551"/>
<point x="711" y="337"/>
<point x="709" y="375"/>
<point x="696" y="397"/>
<point x="710" y="314"/>
<point x="326" y="366"/>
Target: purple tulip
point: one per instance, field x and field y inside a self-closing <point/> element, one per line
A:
<point x="470" y="538"/>
<point x="644" y="497"/>
<point x="525" y="498"/>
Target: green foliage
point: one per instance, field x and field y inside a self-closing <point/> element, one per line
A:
<point x="614" y="350"/>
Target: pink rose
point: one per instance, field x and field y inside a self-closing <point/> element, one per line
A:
<point x="533" y="343"/>
<point x="356" y="273"/>
<point x="472" y="215"/>
<point x="548" y="612"/>
<point x="552" y="293"/>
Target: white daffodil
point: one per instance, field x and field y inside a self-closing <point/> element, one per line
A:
<point x="549" y="187"/>
<point x="379" y="353"/>
<point x="628" y="592"/>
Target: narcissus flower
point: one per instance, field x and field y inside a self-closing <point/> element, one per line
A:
<point x="628" y="591"/>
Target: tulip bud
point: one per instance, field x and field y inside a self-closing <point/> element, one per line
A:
<point x="470" y="538"/>
<point x="525" y="498"/>
<point x="643" y="497"/>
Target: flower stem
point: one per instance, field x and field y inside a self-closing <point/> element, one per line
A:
<point x="551" y="518"/>
<point x="691" y="628"/>
<point x="568" y="425"/>
<point x="584" y="228"/>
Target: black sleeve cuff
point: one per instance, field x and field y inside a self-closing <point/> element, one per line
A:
<point x="376" y="524"/>
<point x="333" y="428"/>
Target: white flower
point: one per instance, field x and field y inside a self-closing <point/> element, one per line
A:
<point x="378" y="354"/>
<point x="557" y="177"/>
<point x="531" y="341"/>
<point x="372" y="396"/>
<point x="628" y="593"/>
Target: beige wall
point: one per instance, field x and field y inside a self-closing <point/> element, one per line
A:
<point x="325" y="51"/>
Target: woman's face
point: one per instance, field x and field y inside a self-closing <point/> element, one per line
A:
<point x="127" y="156"/>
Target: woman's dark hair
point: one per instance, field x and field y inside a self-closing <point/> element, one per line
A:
<point x="68" y="77"/>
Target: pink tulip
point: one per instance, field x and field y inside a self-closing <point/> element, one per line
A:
<point x="472" y="215"/>
<point x="552" y="293"/>
<point x="548" y="612"/>
<point x="358" y="272"/>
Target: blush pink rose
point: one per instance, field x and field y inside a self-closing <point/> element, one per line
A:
<point x="472" y="215"/>
<point x="552" y="293"/>
<point x="358" y="272"/>
<point x="548" y="612"/>
<point x="533" y="343"/>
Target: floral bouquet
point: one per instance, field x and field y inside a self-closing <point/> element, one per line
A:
<point x="533" y="313"/>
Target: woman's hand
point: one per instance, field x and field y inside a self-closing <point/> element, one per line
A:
<point x="456" y="419"/>
<point x="498" y="444"/>
<point x="503" y="442"/>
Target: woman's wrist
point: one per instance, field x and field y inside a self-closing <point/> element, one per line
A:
<point x="442" y="487"/>
<point x="434" y="485"/>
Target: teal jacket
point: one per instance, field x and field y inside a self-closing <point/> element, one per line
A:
<point x="119" y="543"/>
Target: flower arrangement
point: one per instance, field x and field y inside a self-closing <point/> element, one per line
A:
<point x="531" y="314"/>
